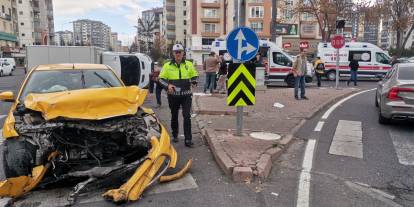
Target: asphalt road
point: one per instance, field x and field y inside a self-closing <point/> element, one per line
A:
<point x="336" y="179"/>
<point x="383" y="175"/>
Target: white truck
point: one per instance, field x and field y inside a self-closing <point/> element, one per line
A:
<point x="134" y="69"/>
<point x="278" y="63"/>
<point x="373" y="61"/>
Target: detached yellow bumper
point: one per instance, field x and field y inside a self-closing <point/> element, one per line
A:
<point x="145" y="175"/>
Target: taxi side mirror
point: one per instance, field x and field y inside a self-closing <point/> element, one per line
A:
<point x="7" y="96"/>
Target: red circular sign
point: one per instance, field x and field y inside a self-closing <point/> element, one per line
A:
<point x="304" y="45"/>
<point x="338" y="41"/>
<point x="287" y="45"/>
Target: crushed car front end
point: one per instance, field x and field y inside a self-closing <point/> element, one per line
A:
<point x="88" y="135"/>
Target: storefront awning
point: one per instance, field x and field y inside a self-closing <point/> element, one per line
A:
<point x="8" y="37"/>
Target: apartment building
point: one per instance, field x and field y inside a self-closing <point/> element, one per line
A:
<point x="149" y="29"/>
<point x="64" y="38"/>
<point x="115" y="42"/>
<point x="175" y="20"/>
<point x="207" y="21"/>
<point x="91" y="33"/>
<point x="8" y="38"/>
<point x="35" y="22"/>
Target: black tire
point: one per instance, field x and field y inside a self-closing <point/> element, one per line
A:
<point x="376" y="100"/>
<point x="331" y="75"/>
<point x="382" y="119"/>
<point x="290" y="81"/>
<point x="18" y="157"/>
<point x="1" y="73"/>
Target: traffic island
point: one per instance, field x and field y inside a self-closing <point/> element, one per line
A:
<point x="248" y="157"/>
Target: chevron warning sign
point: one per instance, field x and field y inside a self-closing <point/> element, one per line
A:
<point x="241" y="84"/>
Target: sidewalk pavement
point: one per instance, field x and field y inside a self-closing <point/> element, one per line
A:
<point x="276" y="111"/>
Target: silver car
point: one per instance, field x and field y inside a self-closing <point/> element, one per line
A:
<point x="395" y="94"/>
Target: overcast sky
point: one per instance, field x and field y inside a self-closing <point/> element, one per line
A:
<point x="120" y="15"/>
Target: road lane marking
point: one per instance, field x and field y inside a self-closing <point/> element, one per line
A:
<point x="59" y="196"/>
<point x="319" y="126"/>
<point x="305" y="175"/>
<point x="347" y="140"/>
<point x="332" y="108"/>
<point x="404" y="145"/>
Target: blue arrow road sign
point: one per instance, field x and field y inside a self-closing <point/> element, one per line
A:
<point x="242" y="44"/>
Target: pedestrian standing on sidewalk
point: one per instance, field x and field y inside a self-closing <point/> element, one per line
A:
<point x="319" y="66"/>
<point x="354" y="71"/>
<point x="155" y="81"/>
<point x="223" y="76"/>
<point x="299" y="71"/>
<point x="178" y="76"/>
<point x="210" y="66"/>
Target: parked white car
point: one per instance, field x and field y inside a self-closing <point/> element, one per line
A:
<point x="6" y="69"/>
<point x="9" y="60"/>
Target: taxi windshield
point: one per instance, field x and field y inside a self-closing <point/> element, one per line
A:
<point x="66" y="80"/>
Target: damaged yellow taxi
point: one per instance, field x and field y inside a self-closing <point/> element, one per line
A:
<point x="79" y="122"/>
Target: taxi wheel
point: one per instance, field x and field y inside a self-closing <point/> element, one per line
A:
<point x="18" y="157"/>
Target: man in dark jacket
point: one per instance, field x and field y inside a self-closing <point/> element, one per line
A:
<point x="354" y="71"/>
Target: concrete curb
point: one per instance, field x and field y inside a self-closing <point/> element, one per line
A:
<point x="264" y="164"/>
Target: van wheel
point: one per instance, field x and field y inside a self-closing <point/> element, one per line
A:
<point x="290" y="80"/>
<point x="11" y="73"/>
<point x="331" y="75"/>
<point x="1" y="73"/>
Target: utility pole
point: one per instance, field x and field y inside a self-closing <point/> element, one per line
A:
<point x="274" y="21"/>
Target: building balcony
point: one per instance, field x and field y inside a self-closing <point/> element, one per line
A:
<point x="255" y="19"/>
<point x="170" y="27"/>
<point x="170" y="36"/>
<point x="255" y="3"/>
<point x="170" y="8"/>
<point x="210" y="19"/>
<point x="170" y="18"/>
<point x="210" y="34"/>
<point x="5" y="16"/>
<point x="210" y="5"/>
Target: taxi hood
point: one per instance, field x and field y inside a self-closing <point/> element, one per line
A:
<point x="88" y="104"/>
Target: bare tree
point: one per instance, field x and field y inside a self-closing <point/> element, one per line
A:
<point x="146" y="29"/>
<point x="401" y="15"/>
<point x="326" y="12"/>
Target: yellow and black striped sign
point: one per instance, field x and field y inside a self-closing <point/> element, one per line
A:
<point x="241" y="84"/>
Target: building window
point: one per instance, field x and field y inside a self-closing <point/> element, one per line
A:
<point x="257" y="26"/>
<point x="185" y="13"/>
<point x="20" y="12"/>
<point x="23" y="34"/>
<point x="185" y="3"/>
<point x="185" y="32"/>
<point x="207" y="41"/>
<point x="210" y="13"/>
<point x="257" y="12"/>
<point x="210" y="28"/>
<point x="185" y="22"/>
<point x="210" y="1"/>
<point x="22" y="23"/>
<point x="20" y="1"/>
<point x="2" y="9"/>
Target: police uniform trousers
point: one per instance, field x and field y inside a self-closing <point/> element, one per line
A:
<point x="175" y="102"/>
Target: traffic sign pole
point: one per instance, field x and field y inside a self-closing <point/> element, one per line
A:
<point x="242" y="44"/>
<point x="337" y="42"/>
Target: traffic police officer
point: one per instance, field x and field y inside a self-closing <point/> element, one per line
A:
<point x="178" y="76"/>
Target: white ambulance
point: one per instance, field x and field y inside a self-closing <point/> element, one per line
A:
<point x="373" y="61"/>
<point x="277" y="62"/>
